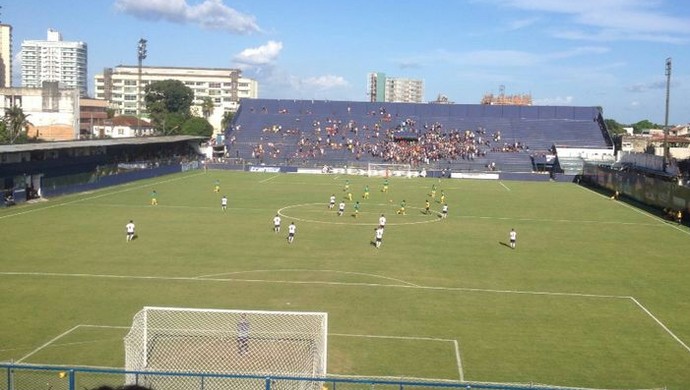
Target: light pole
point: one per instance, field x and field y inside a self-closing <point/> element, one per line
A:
<point x="141" y="55"/>
<point x="668" y="95"/>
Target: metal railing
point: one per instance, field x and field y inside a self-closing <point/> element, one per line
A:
<point x="41" y="377"/>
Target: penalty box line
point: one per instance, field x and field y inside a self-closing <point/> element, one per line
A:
<point x="456" y="347"/>
<point x="63" y="334"/>
<point x="432" y="288"/>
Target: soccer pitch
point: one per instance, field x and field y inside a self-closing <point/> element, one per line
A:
<point x="595" y="294"/>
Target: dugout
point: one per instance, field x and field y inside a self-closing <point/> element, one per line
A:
<point x="34" y="170"/>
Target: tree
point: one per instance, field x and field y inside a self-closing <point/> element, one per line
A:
<point x="173" y="94"/>
<point x="14" y="126"/>
<point x="172" y="123"/>
<point x="167" y="102"/>
<point x="614" y="127"/>
<point x="207" y="107"/>
<point x="226" y="120"/>
<point x="197" y="126"/>
<point x="644" y="125"/>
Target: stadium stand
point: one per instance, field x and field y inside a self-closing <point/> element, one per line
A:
<point x="462" y="137"/>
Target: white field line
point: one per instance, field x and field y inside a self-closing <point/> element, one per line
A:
<point x="371" y="336"/>
<point x="95" y="341"/>
<point x="270" y="178"/>
<point x="47" y="344"/>
<point x="105" y="326"/>
<point x="456" y="348"/>
<point x="660" y="324"/>
<point x="434" y="212"/>
<point x="32" y="210"/>
<point x="374" y="285"/>
<point x="281" y="212"/>
<point x="504" y="186"/>
<point x="309" y="270"/>
<point x="659" y="220"/>
<point x="560" y="220"/>
<point x="302" y="282"/>
<point x="455" y="343"/>
<point x="457" y="359"/>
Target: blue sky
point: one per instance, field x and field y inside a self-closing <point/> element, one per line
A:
<point x="608" y="53"/>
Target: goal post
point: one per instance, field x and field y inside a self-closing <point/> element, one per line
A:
<point x="389" y="170"/>
<point x="235" y="342"/>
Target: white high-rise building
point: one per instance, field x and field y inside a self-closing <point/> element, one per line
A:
<point x="55" y="60"/>
<point x="394" y="89"/>
<point x="5" y="56"/>
<point x="225" y="87"/>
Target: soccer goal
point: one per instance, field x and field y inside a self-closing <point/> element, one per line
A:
<point x="236" y="342"/>
<point x="388" y="170"/>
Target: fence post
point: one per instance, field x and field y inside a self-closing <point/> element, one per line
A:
<point x="9" y="378"/>
<point x="202" y="381"/>
<point x="71" y="380"/>
<point x="268" y="383"/>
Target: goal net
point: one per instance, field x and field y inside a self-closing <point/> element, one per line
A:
<point x="389" y="170"/>
<point x="236" y="342"/>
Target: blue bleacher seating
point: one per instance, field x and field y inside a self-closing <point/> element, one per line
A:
<point x="296" y="131"/>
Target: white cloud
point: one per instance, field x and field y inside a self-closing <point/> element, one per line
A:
<point x="209" y="14"/>
<point x="639" y="20"/>
<point x="259" y="56"/>
<point x="518" y="58"/>
<point x="521" y="23"/>
<point x="577" y="51"/>
<point x="325" y="82"/>
<point x="650" y="86"/>
<point x="499" y="58"/>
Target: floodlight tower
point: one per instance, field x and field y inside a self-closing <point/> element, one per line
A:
<point x="668" y="94"/>
<point x="141" y="55"/>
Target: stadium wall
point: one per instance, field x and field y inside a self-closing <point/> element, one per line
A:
<point x="430" y="173"/>
<point x="121" y="178"/>
<point x="648" y="189"/>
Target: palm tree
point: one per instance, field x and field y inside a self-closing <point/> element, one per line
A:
<point x="16" y="123"/>
<point x="225" y="121"/>
<point x="207" y="107"/>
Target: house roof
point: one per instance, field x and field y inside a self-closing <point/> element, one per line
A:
<point x="124" y="120"/>
<point x="30" y="147"/>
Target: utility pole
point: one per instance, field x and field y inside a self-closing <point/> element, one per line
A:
<point x="668" y="95"/>
<point x="141" y="55"/>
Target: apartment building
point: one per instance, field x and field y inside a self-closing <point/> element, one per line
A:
<point x="5" y="56"/>
<point x="394" y="89"/>
<point x="124" y="88"/>
<point x="54" y="59"/>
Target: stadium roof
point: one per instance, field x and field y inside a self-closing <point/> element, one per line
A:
<point x="31" y="147"/>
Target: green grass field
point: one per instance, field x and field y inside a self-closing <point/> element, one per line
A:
<point x="595" y="295"/>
